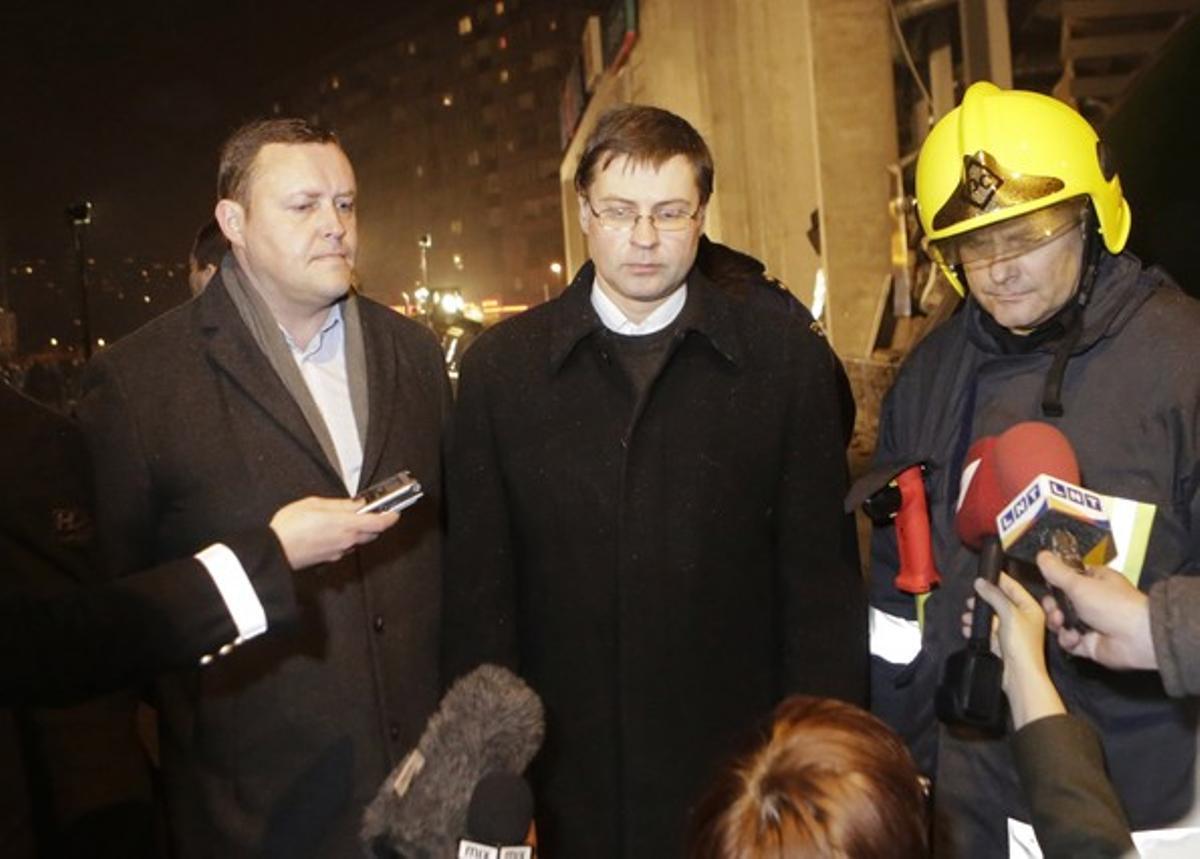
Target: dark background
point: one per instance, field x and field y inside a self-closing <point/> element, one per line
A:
<point x="126" y="103"/>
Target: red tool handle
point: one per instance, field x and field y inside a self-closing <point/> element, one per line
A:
<point x="917" y="575"/>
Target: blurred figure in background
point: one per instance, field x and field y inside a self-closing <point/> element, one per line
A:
<point x="208" y="249"/>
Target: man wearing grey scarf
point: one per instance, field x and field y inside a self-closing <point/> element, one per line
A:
<point x="280" y="380"/>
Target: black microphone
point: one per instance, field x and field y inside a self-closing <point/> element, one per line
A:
<point x="498" y="819"/>
<point x="970" y="691"/>
<point x="488" y="722"/>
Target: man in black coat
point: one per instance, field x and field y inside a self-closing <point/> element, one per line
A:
<point x="278" y="381"/>
<point x="644" y="481"/>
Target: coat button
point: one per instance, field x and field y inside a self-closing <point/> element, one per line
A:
<point x="377" y="623"/>
<point x="394" y="731"/>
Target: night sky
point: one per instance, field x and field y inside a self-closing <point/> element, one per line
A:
<point x="126" y="103"/>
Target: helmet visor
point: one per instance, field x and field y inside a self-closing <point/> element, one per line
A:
<point x="1011" y="238"/>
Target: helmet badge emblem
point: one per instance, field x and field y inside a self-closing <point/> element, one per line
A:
<point x="981" y="183"/>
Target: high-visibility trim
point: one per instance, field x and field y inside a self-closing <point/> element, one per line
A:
<point x="893" y="639"/>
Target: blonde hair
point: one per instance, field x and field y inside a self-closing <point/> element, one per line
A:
<point x="831" y="780"/>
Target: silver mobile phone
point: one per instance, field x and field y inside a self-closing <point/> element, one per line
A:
<point x="397" y="492"/>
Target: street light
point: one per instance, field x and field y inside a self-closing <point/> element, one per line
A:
<point x="556" y="269"/>
<point x="425" y="242"/>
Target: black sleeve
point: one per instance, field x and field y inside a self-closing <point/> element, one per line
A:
<point x="1075" y="809"/>
<point x="113" y="635"/>
<point x="819" y="585"/>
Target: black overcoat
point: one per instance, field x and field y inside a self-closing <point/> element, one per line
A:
<point x="275" y="749"/>
<point x="661" y="570"/>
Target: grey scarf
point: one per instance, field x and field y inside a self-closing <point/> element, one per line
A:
<point x="270" y="339"/>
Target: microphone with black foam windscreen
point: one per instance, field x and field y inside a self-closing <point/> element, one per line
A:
<point x="970" y="692"/>
<point x="499" y="817"/>
<point x="488" y="723"/>
<point x="1037" y="470"/>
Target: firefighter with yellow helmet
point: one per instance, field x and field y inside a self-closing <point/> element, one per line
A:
<point x="1023" y="212"/>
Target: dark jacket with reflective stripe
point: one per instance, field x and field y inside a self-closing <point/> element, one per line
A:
<point x="1131" y="395"/>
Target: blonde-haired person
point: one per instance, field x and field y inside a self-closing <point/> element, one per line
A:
<point x="828" y="780"/>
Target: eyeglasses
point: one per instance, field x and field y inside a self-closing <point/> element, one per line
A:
<point x="1008" y="239"/>
<point x="670" y="219"/>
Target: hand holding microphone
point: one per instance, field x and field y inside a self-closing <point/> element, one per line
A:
<point x="1019" y="641"/>
<point x="1116" y="614"/>
<point x="996" y="516"/>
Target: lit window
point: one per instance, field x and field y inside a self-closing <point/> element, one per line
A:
<point x="499" y="7"/>
<point x="448" y="100"/>
<point x="456" y="228"/>
<point x="473" y="158"/>
<point x="504" y="76"/>
<point x="335" y="83"/>
<point x="420" y="171"/>
<point x="502" y="43"/>
<point x="553" y="26"/>
<point x="464" y="25"/>
<point x="412" y="49"/>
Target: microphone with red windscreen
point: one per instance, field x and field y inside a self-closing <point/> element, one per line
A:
<point x="980" y="499"/>
<point x="979" y="495"/>
<point x="1025" y="450"/>
<point x="970" y="692"/>
<point x="1038" y="473"/>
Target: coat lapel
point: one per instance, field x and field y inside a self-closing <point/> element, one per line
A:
<point x="233" y="351"/>
<point x="389" y="401"/>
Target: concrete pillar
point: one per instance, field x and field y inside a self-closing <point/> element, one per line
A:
<point x="987" y="51"/>
<point x="855" y="125"/>
<point x="941" y="69"/>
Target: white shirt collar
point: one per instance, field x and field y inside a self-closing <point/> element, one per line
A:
<point x="316" y="345"/>
<point x="615" y="320"/>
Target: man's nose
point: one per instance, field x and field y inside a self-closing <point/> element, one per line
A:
<point x="644" y="233"/>
<point x="1002" y="269"/>
<point x="333" y="221"/>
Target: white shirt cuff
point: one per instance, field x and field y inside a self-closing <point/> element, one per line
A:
<point x="234" y="586"/>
